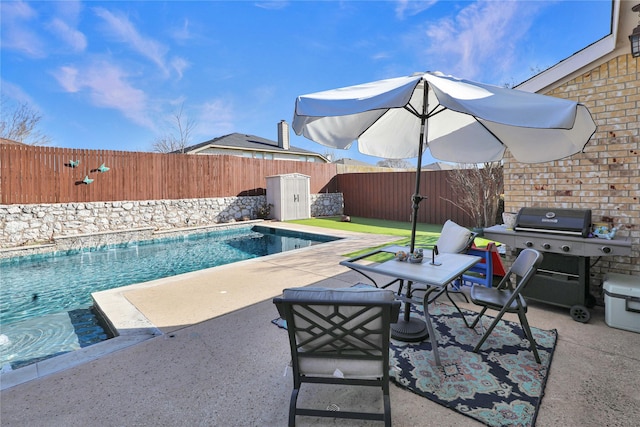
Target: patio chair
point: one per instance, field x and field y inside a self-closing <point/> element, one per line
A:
<point x="505" y="299"/>
<point x="339" y="336"/>
<point x="453" y="239"/>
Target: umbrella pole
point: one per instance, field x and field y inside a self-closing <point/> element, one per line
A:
<point x="417" y="198"/>
<point x="412" y="329"/>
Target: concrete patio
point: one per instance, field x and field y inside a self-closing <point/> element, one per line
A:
<point x="199" y="350"/>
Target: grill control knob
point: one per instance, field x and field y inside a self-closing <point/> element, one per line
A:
<point x="566" y="248"/>
<point x="606" y="249"/>
<point x="546" y="246"/>
<point x="528" y="244"/>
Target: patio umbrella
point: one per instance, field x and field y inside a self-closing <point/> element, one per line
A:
<point x="457" y="120"/>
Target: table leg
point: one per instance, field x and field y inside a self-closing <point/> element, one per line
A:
<point x="432" y="334"/>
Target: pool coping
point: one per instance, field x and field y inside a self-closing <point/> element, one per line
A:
<point x="133" y="327"/>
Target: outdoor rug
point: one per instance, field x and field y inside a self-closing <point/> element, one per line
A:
<point x="502" y="385"/>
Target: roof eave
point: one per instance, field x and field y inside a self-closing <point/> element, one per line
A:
<point x="553" y="75"/>
<point x="262" y="150"/>
<point x="558" y="73"/>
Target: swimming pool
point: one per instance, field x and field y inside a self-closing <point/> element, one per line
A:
<point x="40" y="293"/>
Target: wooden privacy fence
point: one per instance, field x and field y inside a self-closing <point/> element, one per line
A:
<point x="30" y="175"/>
<point x="388" y="196"/>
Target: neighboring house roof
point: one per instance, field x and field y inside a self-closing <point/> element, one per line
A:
<point x="352" y="162"/>
<point x="623" y="21"/>
<point x="10" y="142"/>
<point x="438" y="166"/>
<point x="248" y="143"/>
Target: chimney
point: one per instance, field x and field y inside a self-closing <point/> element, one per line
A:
<point x="283" y="135"/>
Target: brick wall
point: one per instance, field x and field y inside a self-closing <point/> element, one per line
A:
<point x="606" y="177"/>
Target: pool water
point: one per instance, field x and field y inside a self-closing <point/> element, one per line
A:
<point x="45" y="299"/>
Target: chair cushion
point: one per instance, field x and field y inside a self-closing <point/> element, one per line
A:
<point x="453" y="238"/>
<point x="339" y="294"/>
<point x="346" y="368"/>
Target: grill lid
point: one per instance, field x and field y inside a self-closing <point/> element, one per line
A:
<point x="572" y="222"/>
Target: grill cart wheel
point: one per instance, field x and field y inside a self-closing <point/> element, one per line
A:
<point x="579" y="313"/>
<point x="590" y="301"/>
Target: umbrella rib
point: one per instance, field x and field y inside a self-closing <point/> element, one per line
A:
<point x="489" y="130"/>
<point x="436" y="110"/>
<point x="374" y="122"/>
<point x="410" y="108"/>
<point x="433" y="112"/>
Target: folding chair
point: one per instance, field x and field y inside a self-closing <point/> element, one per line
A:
<point x="505" y="299"/>
<point x="339" y="336"/>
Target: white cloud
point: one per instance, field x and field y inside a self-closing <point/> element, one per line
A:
<point x="481" y="39"/>
<point x="412" y="7"/>
<point x="124" y="31"/>
<point x="69" y="10"/>
<point x="17" y="33"/>
<point x="272" y="4"/>
<point x="215" y="118"/>
<point x="67" y="77"/>
<point x="72" y="37"/>
<point x="179" y="65"/>
<point x="183" y="33"/>
<point x="106" y="86"/>
<point x="380" y="56"/>
<point x="16" y="93"/>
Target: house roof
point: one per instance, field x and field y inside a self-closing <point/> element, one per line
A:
<point x="623" y="20"/>
<point x="352" y="162"/>
<point x="438" y="166"/>
<point x="247" y="142"/>
<point x="10" y="142"/>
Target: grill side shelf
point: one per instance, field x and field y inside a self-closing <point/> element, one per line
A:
<point x="577" y="246"/>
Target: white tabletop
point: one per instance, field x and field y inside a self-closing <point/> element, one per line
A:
<point x="451" y="266"/>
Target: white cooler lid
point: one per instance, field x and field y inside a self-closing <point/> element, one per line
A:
<point x="622" y="284"/>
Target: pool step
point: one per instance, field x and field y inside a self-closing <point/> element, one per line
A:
<point x="87" y="327"/>
<point x="33" y="340"/>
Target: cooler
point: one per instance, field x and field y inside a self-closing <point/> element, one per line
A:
<point x="622" y="301"/>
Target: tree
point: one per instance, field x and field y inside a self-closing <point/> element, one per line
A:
<point x="178" y="140"/>
<point x="394" y="163"/>
<point x="478" y="188"/>
<point x="20" y="123"/>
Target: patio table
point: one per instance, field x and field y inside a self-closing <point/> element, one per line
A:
<point x="436" y="276"/>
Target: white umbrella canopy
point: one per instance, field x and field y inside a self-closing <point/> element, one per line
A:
<point x="465" y="121"/>
<point x="458" y="120"/>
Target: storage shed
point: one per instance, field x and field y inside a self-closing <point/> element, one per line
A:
<point x="289" y="195"/>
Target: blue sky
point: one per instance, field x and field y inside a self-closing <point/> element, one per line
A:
<point x="113" y="74"/>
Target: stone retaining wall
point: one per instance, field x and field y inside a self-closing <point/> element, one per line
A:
<point x="24" y="225"/>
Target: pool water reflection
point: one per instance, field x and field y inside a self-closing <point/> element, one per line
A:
<point x="50" y="287"/>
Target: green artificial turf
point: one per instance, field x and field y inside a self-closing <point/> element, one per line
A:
<point x="368" y="225"/>
<point x="426" y="234"/>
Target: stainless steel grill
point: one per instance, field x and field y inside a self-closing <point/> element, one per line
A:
<point x="563" y="279"/>
<point x="568" y="222"/>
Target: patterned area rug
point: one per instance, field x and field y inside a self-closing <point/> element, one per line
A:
<point x="502" y="385"/>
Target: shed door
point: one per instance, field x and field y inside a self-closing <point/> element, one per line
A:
<point x="295" y="191"/>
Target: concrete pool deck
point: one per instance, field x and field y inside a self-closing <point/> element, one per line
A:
<point x="199" y="349"/>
